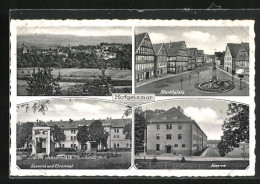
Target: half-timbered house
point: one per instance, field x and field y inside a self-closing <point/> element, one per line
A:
<point x="144" y="57"/>
<point x="160" y="59"/>
<point x="177" y="57"/>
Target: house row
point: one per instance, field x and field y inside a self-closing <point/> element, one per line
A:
<point x="236" y="59"/>
<point x="114" y="127"/>
<point x="153" y="60"/>
<point x="172" y="132"/>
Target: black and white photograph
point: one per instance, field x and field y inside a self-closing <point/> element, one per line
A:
<point x="73" y="134"/>
<point x="192" y="60"/>
<point x="192" y="134"/>
<point x="73" y="60"/>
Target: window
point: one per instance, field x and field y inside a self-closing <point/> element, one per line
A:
<point x="157" y="136"/>
<point x="114" y="136"/>
<point x="157" y="147"/>
<point x="183" y="145"/>
<point x="168" y="136"/>
<point x="117" y="130"/>
<point x="179" y="126"/>
<point x="63" y="145"/>
<point x="118" y="145"/>
<point x="71" y="145"/>
<point x="73" y="131"/>
<point x="117" y="136"/>
<point x="175" y="145"/>
<point x="71" y="138"/>
<point x="158" y="126"/>
<point x="179" y="136"/>
<point x="169" y="126"/>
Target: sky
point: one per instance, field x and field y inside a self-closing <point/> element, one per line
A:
<point x="65" y="109"/>
<point x="208" y="114"/>
<point x="209" y="39"/>
<point x="77" y="31"/>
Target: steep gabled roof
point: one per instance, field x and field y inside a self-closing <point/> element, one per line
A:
<point x="157" y="47"/>
<point x="138" y="39"/>
<point x="173" y="48"/>
<point x="171" y="114"/>
<point x="192" y="51"/>
<point x="246" y="46"/>
<point x="234" y="48"/>
<point x="75" y="124"/>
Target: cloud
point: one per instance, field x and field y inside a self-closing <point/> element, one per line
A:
<point x="207" y="119"/>
<point x="233" y="39"/>
<point x="160" y="38"/>
<point x="78" y="31"/>
<point x="199" y="36"/>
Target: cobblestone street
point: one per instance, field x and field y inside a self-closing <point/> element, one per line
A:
<point x="188" y="84"/>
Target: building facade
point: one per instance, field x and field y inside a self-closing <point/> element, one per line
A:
<point x="160" y="59"/>
<point x="114" y="127"/>
<point x="230" y="57"/>
<point x="144" y="57"/>
<point x="192" y="54"/>
<point x="200" y="58"/>
<point x="172" y="132"/>
<point x="177" y="57"/>
<point x="242" y="60"/>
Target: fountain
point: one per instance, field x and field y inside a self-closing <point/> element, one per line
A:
<point x="215" y="85"/>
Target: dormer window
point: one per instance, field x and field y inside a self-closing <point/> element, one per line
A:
<point x="165" y="117"/>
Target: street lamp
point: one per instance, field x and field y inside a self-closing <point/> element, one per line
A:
<point x="189" y="78"/>
<point x="181" y="83"/>
<point x="198" y="76"/>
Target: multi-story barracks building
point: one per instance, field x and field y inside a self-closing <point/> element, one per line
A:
<point x="144" y="57"/>
<point x="114" y="127"/>
<point x="172" y="132"/>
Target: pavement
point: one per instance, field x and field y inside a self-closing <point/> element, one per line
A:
<point x="168" y="86"/>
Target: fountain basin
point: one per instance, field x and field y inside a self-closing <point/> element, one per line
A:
<point x="220" y="86"/>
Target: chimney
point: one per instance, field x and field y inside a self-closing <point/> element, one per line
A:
<point x="61" y="120"/>
<point x="71" y="120"/>
<point x="107" y="117"/>
<point x="180" y="109"/>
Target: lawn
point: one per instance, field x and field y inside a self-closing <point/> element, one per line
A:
<point x="166" y="164"/>
<point x="122" y="162"/>
<point x="81" y="73"/>
<point x="77" y="77"/>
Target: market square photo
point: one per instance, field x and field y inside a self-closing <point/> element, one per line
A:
<point x="192" y="60"/>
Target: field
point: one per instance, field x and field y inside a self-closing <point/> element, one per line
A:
<point x="76" y="76"/>
<point x="122" y="162"/>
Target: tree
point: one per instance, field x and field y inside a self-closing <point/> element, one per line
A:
<point x="83" y="134"/>
<point x="97" y="133"/>
<point x="235" y="128"/>
<point x="58" y="134"/>
<point x="128" y="131"/>
<point x="23" y="134"/>
<point x="140" y="126"/>
<point x="43" y="83"/>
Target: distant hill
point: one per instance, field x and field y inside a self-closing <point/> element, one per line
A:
<point x="45" y="41"/>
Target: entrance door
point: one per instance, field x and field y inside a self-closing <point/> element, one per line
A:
<point x="147" y="75"/>
<point x="168" y="149"/>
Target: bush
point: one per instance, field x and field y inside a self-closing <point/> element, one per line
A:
<point x="183" y="159"/>
<point x="65" y="150"/>
<point x="154" y="159"/>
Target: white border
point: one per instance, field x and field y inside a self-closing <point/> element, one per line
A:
<point x="14" y="171"/>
